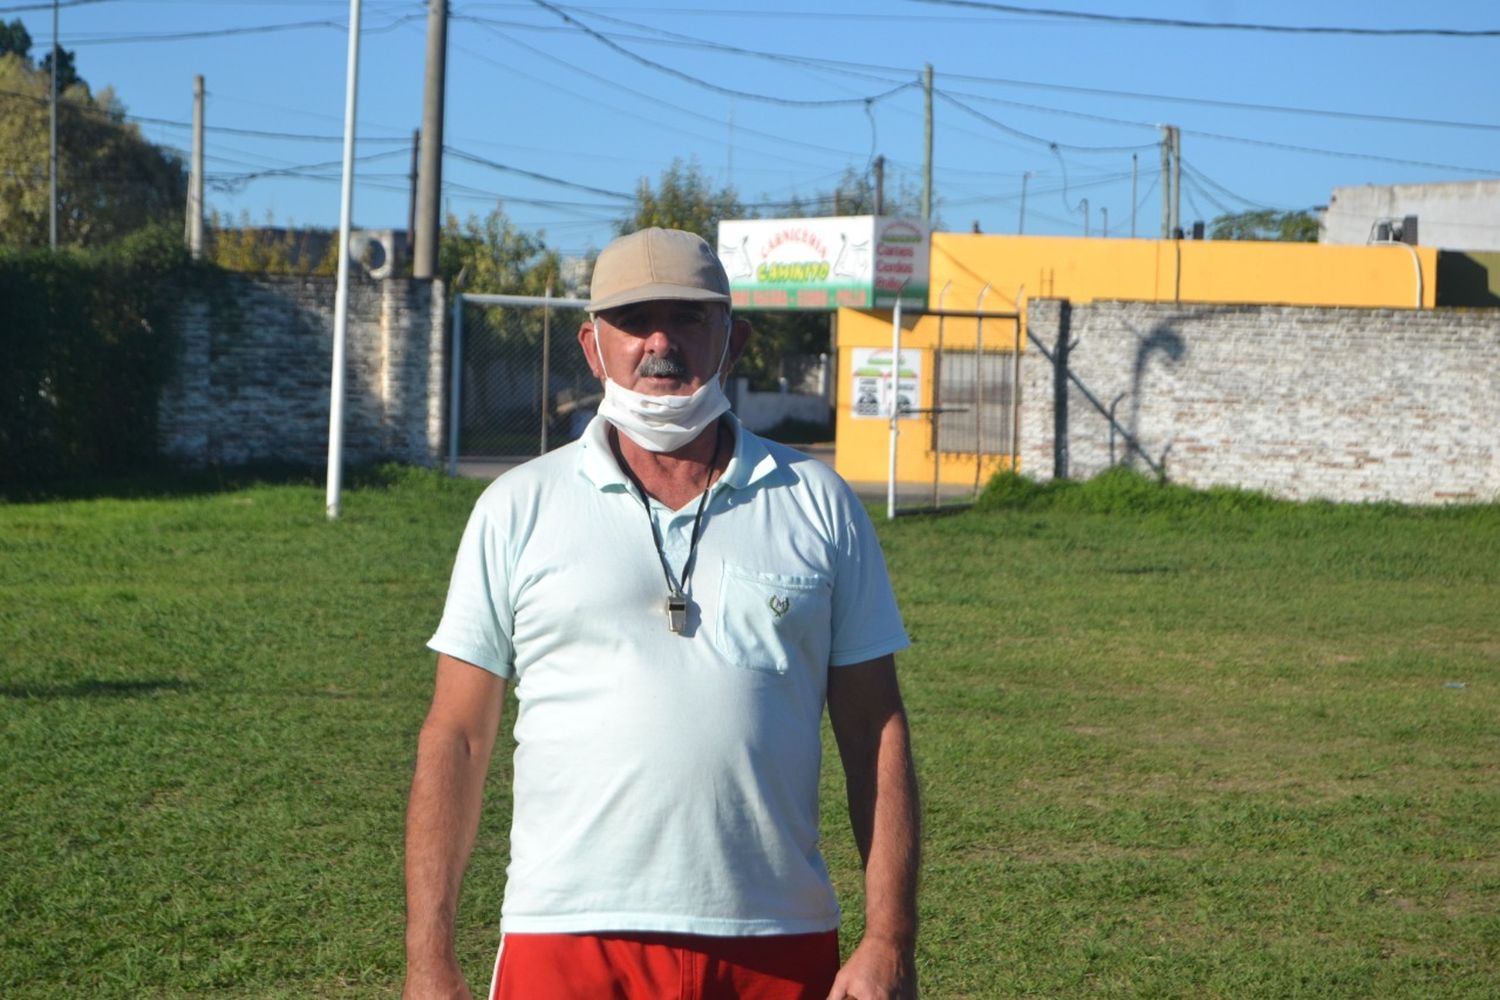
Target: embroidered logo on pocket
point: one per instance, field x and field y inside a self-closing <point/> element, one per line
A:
<point x="779" y="604"/>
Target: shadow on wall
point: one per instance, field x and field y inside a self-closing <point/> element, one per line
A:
<point x="1468" y="279"/>
<point x="1164" y="341"/>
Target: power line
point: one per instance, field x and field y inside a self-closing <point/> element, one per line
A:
<point x="1484" y="171"/>
<point x="707" y="85"/>
<point x="494" y="165"/>
<point x="1236" y="105"/>
<point x="257" y="29"/>
<point x="1205" y="179"/>
<point x="1036" y="138"/>
<point x="1172" y="22"/>
<point x="615" y="85"/>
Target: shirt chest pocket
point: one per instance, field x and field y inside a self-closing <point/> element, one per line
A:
<point x="767" y="621"/>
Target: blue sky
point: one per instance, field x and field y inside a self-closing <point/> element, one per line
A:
<point x="595" y="96"/>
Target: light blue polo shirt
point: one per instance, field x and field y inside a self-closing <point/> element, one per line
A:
<point x="668" y="782"/>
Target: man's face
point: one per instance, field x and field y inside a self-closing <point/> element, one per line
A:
<point x="661" y="348"/>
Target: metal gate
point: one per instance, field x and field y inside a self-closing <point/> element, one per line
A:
<point x="974" y="414"/>
<point x="519" y="382"/>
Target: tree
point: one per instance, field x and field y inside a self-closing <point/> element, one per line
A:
<point x="495" y="256"/>
<point x="1266" y="224"/>
<point x="683" y="199"/>
<point x="111" y="180"/>
<point x="854" y="194"/>
<point x="270" y="249"/>
<point x="67" y="71"/>
<point x="15" y="39"/>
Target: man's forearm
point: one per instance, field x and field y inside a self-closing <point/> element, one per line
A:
<point x="441" y="823"/>
<point x="884" y="812"/>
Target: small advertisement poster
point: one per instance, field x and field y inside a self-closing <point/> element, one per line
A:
<point x="877" y="383"/>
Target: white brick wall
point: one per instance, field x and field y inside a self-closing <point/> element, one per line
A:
<point x="1342" y="404"/>
<point x="254" y="366"/>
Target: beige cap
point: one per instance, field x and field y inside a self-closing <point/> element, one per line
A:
<point x="655" y="264"/>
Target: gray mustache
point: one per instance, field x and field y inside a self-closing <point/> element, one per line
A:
<point x="657" y="366"/>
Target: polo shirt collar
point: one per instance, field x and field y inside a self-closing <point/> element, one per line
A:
<point x="750" y="464"/>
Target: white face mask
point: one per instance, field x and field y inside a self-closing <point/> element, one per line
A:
<point x="662" y="423"/>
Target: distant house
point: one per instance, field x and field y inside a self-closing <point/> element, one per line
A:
<point x="1456" y="215"/>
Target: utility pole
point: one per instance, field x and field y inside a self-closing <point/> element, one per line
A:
<point x="1021" y="227"/>
<point x="1134" y="166"/>
<point x="1176" y="182"/>
<point x="195" y="181"/>
<point x="1166" y="182"/>
<point x="52" y="156"/>
<point x="927" y="159"/>
<point x="411" y="200"/>
<point x="1105" y="212"/>
<point x="880" y="185"/>
<point x="430" y="179"/>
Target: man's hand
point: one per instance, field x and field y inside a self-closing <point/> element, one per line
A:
<point x="877" y="970"/>
<point x="445" y="983"/>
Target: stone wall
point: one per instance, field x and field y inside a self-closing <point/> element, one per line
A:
<point x="1342" y="404"/>
<point x="254" y="365"/>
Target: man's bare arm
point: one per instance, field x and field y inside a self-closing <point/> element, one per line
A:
<point x="442" y="819"/>
<point x="869" y="723"/>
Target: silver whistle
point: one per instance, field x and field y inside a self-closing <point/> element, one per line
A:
<point x="676" y="612"/>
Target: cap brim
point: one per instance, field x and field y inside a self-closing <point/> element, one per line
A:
<point x="656" y="293"/>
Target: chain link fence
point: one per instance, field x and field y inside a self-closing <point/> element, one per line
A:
<point x="520" y="384"/>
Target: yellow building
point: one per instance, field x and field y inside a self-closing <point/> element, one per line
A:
<point x="958" y="373"/>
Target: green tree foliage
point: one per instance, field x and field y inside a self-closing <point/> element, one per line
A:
<point x="270" y="249"/>
<point x="111" y="180"/>
<point x="67" y="69"/>
<point x="87" y="342"/>
<point x="683" y="198"/>
<point x="854" y="194"/>
<point x="15" y="39"/>
<point x="495" y="256"/>
<point x="1266" y="224"/>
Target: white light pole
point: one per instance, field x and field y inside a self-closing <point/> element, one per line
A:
<point x="52" y="149"/>
<point x="341" y="297"/>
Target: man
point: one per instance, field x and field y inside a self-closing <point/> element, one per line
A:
<point x="675" y="600"/>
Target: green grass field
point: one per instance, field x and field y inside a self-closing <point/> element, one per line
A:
<point x="1170" y="744"/>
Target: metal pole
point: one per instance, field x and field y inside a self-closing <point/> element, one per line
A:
<point x="1105" y="212"/>
<point x="880" y="185"/>
<point x="430" y="183"/>
<point x="927" y="144"/>
<point x="455" y="382"/>
<point x="52" y="155"/>
<point x="979" y="385"/>
<point x="546" y="360"/>
<point x="937" y="395"/>
<point x="1134" y="166"/>
<point x="1015" y="387"/>
<point x="195" y="183"/>
<point x="890" y="484"/>
<point x="341" y="297"/>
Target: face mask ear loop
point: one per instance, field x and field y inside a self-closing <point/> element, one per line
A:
<point x="724" y="354"/>
<point x="594" y="322"/>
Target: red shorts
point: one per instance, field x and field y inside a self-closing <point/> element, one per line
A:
<point x="665" y="967"/>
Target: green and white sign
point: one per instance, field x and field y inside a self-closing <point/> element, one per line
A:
<point x="861" y="261"/>
<point x="878" y="384"/>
